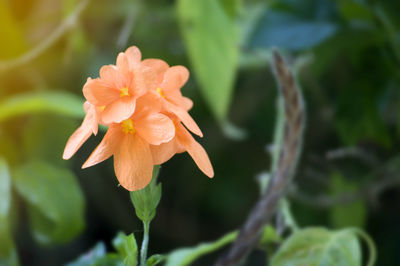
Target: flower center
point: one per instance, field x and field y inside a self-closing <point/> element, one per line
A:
<point x="101" y="108"/>
<point x="127" y="126"/>
<point x="159" y="90"/>
<point x="124" y="92"/>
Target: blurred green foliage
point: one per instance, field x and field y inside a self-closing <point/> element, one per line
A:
<point x="346" y="55"/>
<point x="318" y="246"/>
<point x="211" y="38"/>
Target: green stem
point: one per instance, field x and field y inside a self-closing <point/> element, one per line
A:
<point x="145" y="243"/>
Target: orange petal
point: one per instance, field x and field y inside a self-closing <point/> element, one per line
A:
<point x="133" y="163"/>
<point x="119" y="110"/>
<point x="187" y="103"/>
<point x="158" y="66"/>
<point x="144" y="79"/>
<point x="99" y="93"/>
<point x="195" y="150"/>
<point x="175" y="77"/>
<point x="76" y="141"/>
<point x="134" y="56"/>
<point x="165" y="151"/>
<point x="87" y="128"/>
<point x="148" y="103"/>
<point x="155" y="128"/>
<point x="106" y="148"/>
<point x="91" y="115"/>
<point x="184" y="116"/>
<point x="113" y="77"/>
<point x="122" y="62"/>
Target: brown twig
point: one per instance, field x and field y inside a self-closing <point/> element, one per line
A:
<point x="353" y="152"/>
<point x="290" y="150"/>
<point x="370" y="192"/>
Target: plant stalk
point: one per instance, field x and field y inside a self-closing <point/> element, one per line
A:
<point x="145" y="243"/>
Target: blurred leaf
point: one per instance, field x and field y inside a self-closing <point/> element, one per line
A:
<point x="8" y="147"/>
<point x="127" y="248"/>
<point x="5" y="188"/>
<point x="211" y="39"/>
<point x="319" y="246"/>
<point x="232" y="7"/>
<point x="351" y="214"/>
<point x="97" y="256"/>
<point x="269" y="235"/>
<point x="62" y="103"/>
<point x="185" y="256"/>
<point x="146" y="200"/>
<point x="12" y="43"/>
<point x="351" y="9"/>
<point x="359" y="118"/>
<point x="155" y="259"/>
<point x="287" y="31"/>
<point x="56" y="203"/>
<point x="232" y="131"/>
<point x="8" y="254"/>
<point x="47" y="143"/>
<point x="89" y="258"/>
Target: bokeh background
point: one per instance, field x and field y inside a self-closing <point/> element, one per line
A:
<point x="346" y="56"/>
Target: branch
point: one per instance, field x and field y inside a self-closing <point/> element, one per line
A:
<point x="68" y="23"/>
<point x="352" y="152"/>
<point x="370" y="191"/>
<point x="289" y="153"/>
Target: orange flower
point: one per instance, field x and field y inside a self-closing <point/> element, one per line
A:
<point x="129" y="142"/>
<point x="142" y="104"/>
<point x="89" y="126"/>
<point x="168" y="88"/>
<point x="118" y="87"/>
<point x="183" y="141"/>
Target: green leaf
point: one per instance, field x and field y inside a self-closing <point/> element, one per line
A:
<point x="9" y="147"/>
<point x="319" y="246"/>
<point x="269" y="235"/>
<point x="48" y="145"/>
<point x="56" y="203"/>
<point x="95" y="257"/>
<point x="285" y="30"/>
<point x="231" y="7"/>
<point x="185" y="256"/>
<point x="346" y="215"/>
<point x="62" y="103"/>
<point x="5" y="188"/>
<point x="351" y="9"/>
<point x="155" y="259"/>
<point x="8" y="254"/>
<point x="211" y="39"/>
<point x="127" y="248"/>
<point x="146" y="200"/>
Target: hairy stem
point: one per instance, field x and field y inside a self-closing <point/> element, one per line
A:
<point x="288" y="155"/>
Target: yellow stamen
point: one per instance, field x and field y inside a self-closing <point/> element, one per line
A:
<point x="101" y="108"/>
<point x="127" y="126"/>
<point x="124" y="92"/>
<point x="159" y="90"/>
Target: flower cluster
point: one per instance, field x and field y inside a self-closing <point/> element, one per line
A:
<point x="147" y="117"/>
